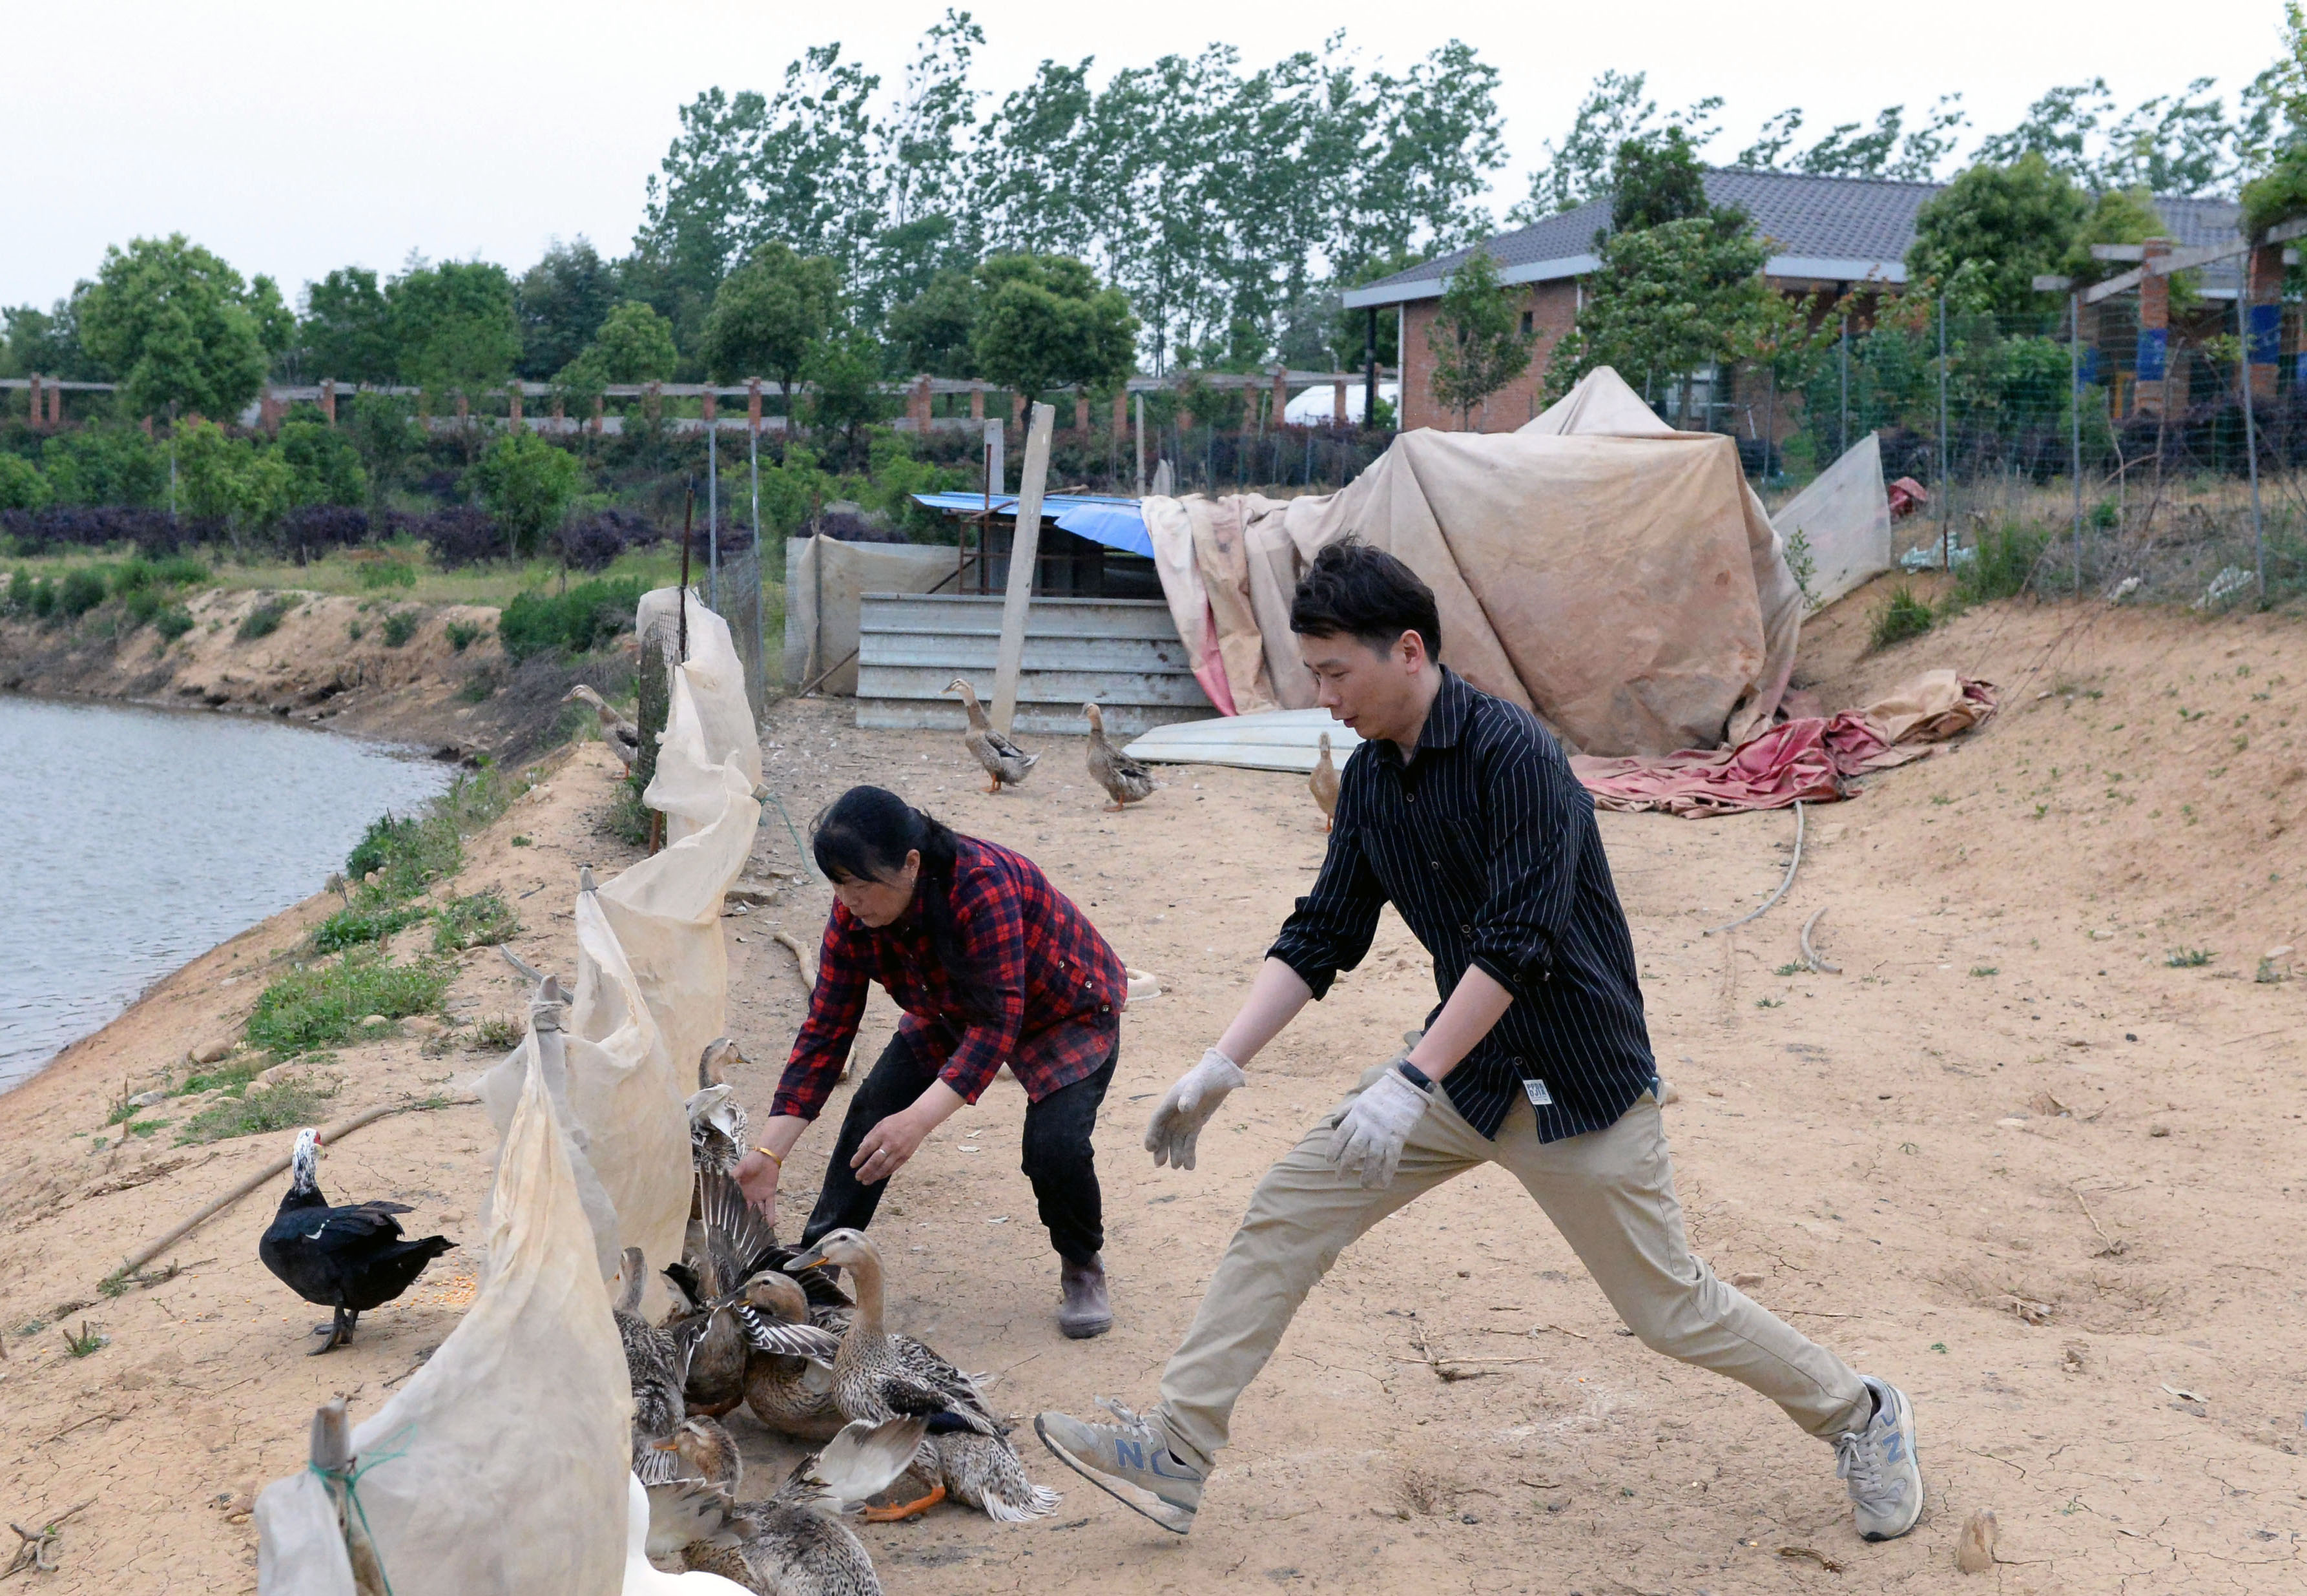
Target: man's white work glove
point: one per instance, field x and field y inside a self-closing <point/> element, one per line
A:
<point x="1186" y="1107"/>
<point x="1368" y="1140"/>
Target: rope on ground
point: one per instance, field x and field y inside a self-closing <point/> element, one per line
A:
<point x="270" y="1171"/>
<point x="1781" y="892"/>
<point x="1810" y="954"/>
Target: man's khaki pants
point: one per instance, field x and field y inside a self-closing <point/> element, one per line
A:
<point x="1610" y="1192"/>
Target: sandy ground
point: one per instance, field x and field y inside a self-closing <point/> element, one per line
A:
<point x="2009" y="1158"/>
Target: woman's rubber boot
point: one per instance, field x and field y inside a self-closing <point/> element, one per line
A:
<point x="1086" y="1311"/>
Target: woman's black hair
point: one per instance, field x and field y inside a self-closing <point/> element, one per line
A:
<point x="864" y="836"/>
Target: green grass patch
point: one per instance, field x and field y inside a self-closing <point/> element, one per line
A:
<point x="264" y="620"/>
<point x="290" y="1105"/>
<point x="231" y="1075"/>
<point x="85" y="1341"/>
<point x="499" y="1033"/>
<point x="80" y="591"/>
<point x="2189" y="958"/>
<point x="2002" y="565"/>
<point x="463" y="634"/>
<point x="373" y="576"/>
<point x="318" y="1005"/>
<point x="629" y="817"/>
<point x="352" y="927"/>
<point x="406" y="854"/>
<point x="1903" y="615"/>
<point x="400" y="626"/>
<point x="172" y="623"/>
<point x="588" y="616"/>
<point x="483" y="920"/>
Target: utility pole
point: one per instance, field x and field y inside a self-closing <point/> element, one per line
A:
<point x="2075" y="421"/>
<point x="2251" y="429"/>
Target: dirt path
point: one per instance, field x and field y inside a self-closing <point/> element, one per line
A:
<point x="2007" y="1107"/>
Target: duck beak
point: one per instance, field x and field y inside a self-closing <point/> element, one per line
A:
<point x="664" y="1446"/>
<point x="794" y="1265"/>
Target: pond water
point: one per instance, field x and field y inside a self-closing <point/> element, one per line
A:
<point x="132" y="840"/>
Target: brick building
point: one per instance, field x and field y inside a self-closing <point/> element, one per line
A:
<point x="1847" y="235"/>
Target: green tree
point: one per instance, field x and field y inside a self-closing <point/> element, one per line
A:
<point x="931" y="332"/>
<point x="178" y="324"/>
<point x="1668" y="301"/>
<point x="634" y="345"/>
<point x="846" y="375"/>
<point x="324" y="465"/>
<point x="528" y="484"/>
<point x="21" y="485"/>
<point x="384" y="432"/>
<point x="1043" y="322"/>
<point x="1654" y="181"/>
<point x="1477" y="337"/>
<point x="1986" y="236"/>
<point x="227" y="479"/>
<point x="48" y="341"/>
<point x="454" y="329"/>
<point x="770" y="316"/>
<point x="561" y="302"/>
<point x="1616" y="109"/>
<point x="110" y="463"/>
<point x="347" y="330"/>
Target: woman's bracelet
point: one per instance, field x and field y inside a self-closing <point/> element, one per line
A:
<point x="772" y="1157"/>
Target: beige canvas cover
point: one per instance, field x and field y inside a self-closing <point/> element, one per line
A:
<point x="1626" y="586"/>
<point x="1844" y="518"/>
<point x="501" y="1468"/>
<point x="824" y="579"/>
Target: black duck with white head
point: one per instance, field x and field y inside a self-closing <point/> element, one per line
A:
<point x="349" y="1259"/>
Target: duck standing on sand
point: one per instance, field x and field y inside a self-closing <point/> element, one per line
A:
<point x="878" y="1376"/>
<point x="1324" y="783"/>
<point x="719" y="1129"/>
<point x="350" y="1259"/>
<point x="787" y="1392"/>
<point x="622" y="736"/>
<point x="1006" y="764"/>
<point x="1126" y="781"/>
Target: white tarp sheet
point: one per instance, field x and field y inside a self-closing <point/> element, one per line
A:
<point x="1845" y="520"/>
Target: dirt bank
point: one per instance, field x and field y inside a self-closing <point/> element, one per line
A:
<point x="2012" y="1157"/>
<point x="329" y="660"/>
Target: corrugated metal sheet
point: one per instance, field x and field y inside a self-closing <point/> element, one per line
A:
<point x="1123" y="653"/>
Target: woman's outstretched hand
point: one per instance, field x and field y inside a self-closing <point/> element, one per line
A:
<point x="888" y="1145"/>
<point x="757" y="1177"/>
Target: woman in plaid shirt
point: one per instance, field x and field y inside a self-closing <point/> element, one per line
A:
<point x="992" y="965"/>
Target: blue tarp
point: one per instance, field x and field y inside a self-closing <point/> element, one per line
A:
<point x="1117" y="523"/>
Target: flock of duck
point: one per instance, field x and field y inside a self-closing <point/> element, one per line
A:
<point x="754" y="1325"/>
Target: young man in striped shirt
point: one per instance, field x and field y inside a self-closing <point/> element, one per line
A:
<point x="1460" y="810"/>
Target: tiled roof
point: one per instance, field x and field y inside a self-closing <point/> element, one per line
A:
<point x="1817" y="226"/>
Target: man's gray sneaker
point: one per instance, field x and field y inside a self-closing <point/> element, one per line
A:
<point x="1878" y="1464"/>
<point x="1129" y="1461"/>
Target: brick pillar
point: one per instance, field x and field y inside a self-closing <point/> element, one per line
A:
<point x="36" y="411"/>
<point x="598" y="405"/>
<point x="2263" y="295"/>
<point x="977" y="402"/>
<point x="652" y="401"/>
<point x="512" y="399"/>
<point x="560" y="411"/>
<point x="1017" y="411"/>
<point x="2154" y="333"/>
<point x="1280" y="395"/>
<point x="1081" y="411"/>
<point x="712" y="406"/>
<point x="329" y="399"/>
<point x="1120" y="411"/>
<point x="268" y="410"/>
<point x="1338" y="404"/>
<point x="753" y="404"/>
<point x="919" y="399"/>
<point x="56" y="402"/>
<point x="147" y="424"/>
<point x="464" y="412"/>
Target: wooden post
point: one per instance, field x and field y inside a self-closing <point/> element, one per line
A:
<point x="1025" y="546"/>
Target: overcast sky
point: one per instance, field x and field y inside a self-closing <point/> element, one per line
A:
<point x="292" y="138"/>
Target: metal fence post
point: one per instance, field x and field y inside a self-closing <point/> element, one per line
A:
<point x="2251" y="429"/>
<point x="712" y="514"/>
<point x="1843" y="436"/>
<point x="1946" y="497"/>
<point x="2075" y="421"/>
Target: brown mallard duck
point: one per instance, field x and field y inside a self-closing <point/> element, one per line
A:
<point x="719" y="1132"/>
<point x="790" y="1393"/>
<point x="704" y="1452"/>
<point x="727" y="1244"/>
<point x="1324" y="783"/>
<point x="1126" y="781"/>
<point x="878" y="1376"/>
<point x="794" y="1544"/>
<point x="1006" y="764"/>
<point x="653" y="1360"/>
<point x="622" y="736"/>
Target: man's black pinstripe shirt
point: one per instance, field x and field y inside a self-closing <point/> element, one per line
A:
<point x="1485" y="844"/>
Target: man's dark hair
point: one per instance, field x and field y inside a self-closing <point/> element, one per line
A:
<point x="1354" y="591"/>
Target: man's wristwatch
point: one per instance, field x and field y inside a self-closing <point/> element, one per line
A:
<point x="1417" y="1077"/>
